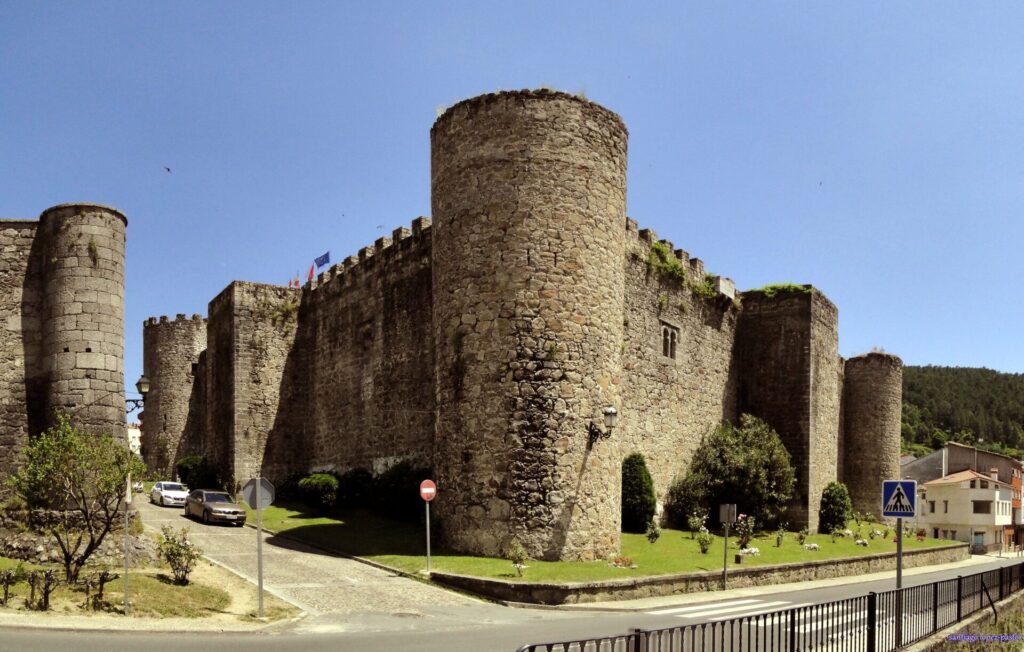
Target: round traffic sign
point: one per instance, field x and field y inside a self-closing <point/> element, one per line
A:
<point x="428" y="490"/>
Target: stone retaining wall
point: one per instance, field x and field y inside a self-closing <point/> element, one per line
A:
<point x="658" y="585"/>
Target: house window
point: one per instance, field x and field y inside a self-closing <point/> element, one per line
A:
<point x="935" y="533"/>
<point x="984" y="484"/>
<point x="982" y="506"/>
<point x="669" y="340"/>
<point x="945" y="507"/>
<point x="972" y="484"/>
<point x="931" y="506"/>
<point x="952" y="534"/>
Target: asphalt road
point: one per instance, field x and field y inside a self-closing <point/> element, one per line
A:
<point x="386" y="612"/>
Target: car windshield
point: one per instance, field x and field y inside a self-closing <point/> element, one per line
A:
<point x="170" y="486"/>
<point x="218" y="498"/>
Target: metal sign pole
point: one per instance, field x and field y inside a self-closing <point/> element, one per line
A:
<point x="259" y="543"/>
<point x="725" y="555"/>
<point x="427" y="503"/>
<point x="127" y="502"/>
<point x="899" y="554"/>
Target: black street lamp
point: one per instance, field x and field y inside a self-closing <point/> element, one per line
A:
<point x="142" y="386"/>
<point x="611" y="418"/>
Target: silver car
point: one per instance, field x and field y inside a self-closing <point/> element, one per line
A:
<point x="214" y="506"/>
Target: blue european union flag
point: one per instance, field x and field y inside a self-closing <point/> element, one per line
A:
<point x="322" y="260"/>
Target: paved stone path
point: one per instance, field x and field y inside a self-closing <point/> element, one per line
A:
<point x="339" y="594"/>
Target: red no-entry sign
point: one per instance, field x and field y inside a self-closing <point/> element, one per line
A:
<point x="428" y="490"/>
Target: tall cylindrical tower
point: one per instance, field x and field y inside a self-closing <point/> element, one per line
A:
<point x="83" y="335"/>
<point x="170" y="360"/>
<point x="528" y="200"/>
<point x="872" y="407"/>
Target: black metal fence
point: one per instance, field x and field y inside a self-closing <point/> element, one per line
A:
<point x="876" y="622"/>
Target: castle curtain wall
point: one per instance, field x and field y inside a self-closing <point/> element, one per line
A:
<point x="669" y="405"/>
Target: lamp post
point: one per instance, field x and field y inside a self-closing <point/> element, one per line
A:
<point x="142" y="385"/>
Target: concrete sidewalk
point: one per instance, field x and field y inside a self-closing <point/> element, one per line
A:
<point x="644" y="604"/>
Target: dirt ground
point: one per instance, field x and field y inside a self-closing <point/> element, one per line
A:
<point x="238" y="615"/>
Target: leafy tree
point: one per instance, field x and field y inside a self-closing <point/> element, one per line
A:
<point x="745" y="465"/>
<point x="836" y="508"/>
<point x="196" y="472"/>
<point x="179" y="553"/>
<point x="74" y="485"/>
<point x="638" y="501"/>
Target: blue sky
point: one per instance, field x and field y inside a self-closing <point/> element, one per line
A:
<point x="874" y="150"/>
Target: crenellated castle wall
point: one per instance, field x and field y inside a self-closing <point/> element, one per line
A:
<point x="487" y="343"/>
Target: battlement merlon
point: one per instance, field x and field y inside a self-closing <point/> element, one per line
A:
<point x="180" y="318"/>
<point x="384" y="251"/>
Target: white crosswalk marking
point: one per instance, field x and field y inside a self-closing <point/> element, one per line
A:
<point x="679" y="610"/>
<point x="733" y="608"/>
<point x="760" y="610"/>
<point x="831" y="622"/>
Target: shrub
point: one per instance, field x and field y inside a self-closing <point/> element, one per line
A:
<point x="704" y="540"/>
<point x="638" y="501"/>
<point x="780" y="534"/>
<point x="835" y="509"/>
<point x="355" y="488"/>
<point x="653" y="531"/>
<point x="197" y="473"/>
<point x="179" y="553"/>
<point x="696" y="521"/>
<point x="744" y="530"/>
<point x="516" y="553"/>
<point x="319" y="490"/>
<point x="745" y="464"/>
<point x="802" y="535"/>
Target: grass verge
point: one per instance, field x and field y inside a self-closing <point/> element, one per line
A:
<point x="402" y="546"/>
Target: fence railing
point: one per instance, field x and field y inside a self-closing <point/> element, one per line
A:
<point x="876" y="622"/>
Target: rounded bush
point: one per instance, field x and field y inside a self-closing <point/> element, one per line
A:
<point x="196" y="473"/>
<point x="355" y="488"/>
<point x="319" y="490"/>
<point x="638" y="501"/>
<point x="835" y="509"/>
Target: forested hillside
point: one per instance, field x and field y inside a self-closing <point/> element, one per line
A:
<point x="959" y="404"/>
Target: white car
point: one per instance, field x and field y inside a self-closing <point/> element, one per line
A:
<point x="169" y="493"/>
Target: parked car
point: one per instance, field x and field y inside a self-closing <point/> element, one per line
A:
<point x="168" y="493"/>
<point x="214" y="506"/>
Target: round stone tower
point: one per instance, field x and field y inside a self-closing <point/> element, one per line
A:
<point x="170" y="359"/>
<point x="873" y="402"/>
<point x="528" y="201"/>
<point x="83" y="334"/>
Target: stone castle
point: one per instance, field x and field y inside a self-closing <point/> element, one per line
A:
<point x="487" y="342"/>
<point x="61" y="323"/>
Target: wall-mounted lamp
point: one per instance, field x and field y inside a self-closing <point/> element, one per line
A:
<point x="142" y="386"/>
<point x="611" y="417"/>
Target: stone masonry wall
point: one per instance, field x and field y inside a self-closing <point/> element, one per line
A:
<point x="873" y="393"/>
<point x="669" y="405"/>
<point x="528" y="202"/>
<point x="826" y="398"/>
<point x="83" y="334"/>
<point x="774" y="341"/>
<point x="171" y="352"/>
<point x="371" y="357"/>
<point x="20" y="344"/>
<point x="219" y="371"/>
<point x="270" y="382"/>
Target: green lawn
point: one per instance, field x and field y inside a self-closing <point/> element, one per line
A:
<point x="402" y="546"/>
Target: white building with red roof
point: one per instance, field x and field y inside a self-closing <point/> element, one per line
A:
<point x="967" y="506"/>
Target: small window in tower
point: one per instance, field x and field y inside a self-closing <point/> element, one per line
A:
<point x="67" y="349"/>
<point x="669" y="340"/>
<point x="88" y="349"/>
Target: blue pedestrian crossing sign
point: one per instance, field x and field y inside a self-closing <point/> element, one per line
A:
<point x="899" y="498"/>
